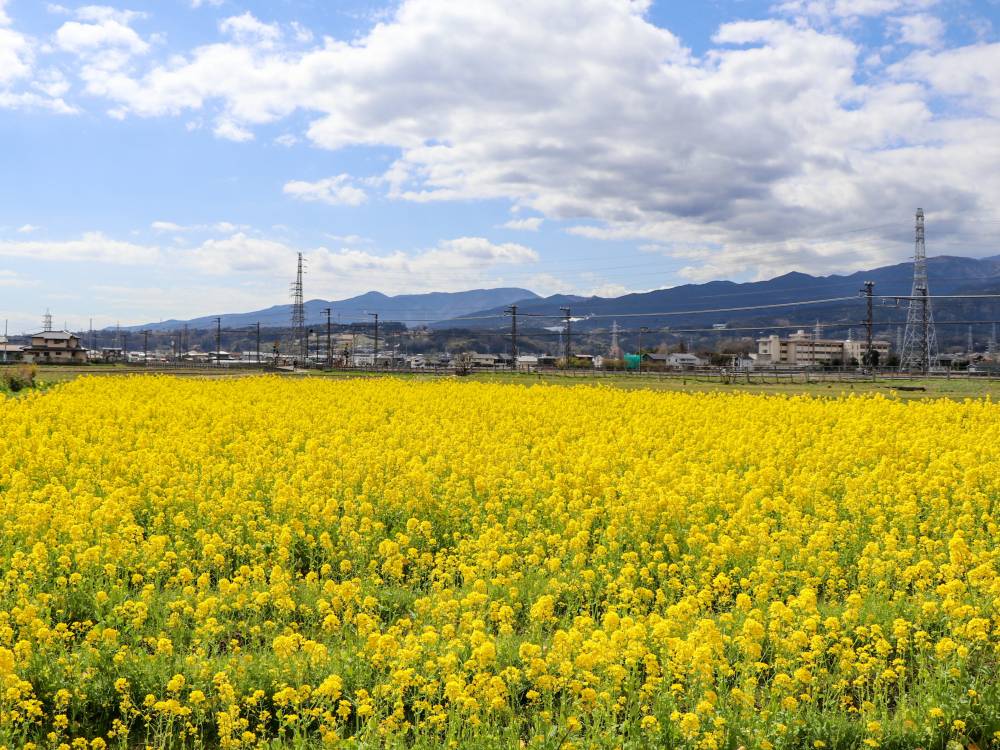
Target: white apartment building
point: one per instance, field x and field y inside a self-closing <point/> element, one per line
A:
<point x="804" y="349"/>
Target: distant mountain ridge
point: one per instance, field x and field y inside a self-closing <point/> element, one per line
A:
<point x="946" y="275"/>
<point x="412" y="309"/>
<point x="482" y="309"/>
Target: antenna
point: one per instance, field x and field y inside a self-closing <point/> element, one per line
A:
<point x="47" y="321"/>
<point x="919" y="350"/>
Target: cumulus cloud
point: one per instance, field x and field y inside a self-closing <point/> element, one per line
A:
<point x="100" y="29"/>
<point x="223" y="227"/>
<point x="27" y="228"/>
<point x="247" y="29"/>
<point x="848" y="9"/>
<point x="969" y="74"/>
<point x="585" y="110"/>
<point x="451" y="265"/>
<point x="530" y="224"/>
<point x="91" y="247"/>
<point x="231" y="131"/>
<point x="4" y="18"/>
<point x="335" y="191"/>
<point x="16" y="56"/>
<point x="919" y="30"/>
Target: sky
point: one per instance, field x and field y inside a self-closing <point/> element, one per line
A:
<point x="169" y="159"/>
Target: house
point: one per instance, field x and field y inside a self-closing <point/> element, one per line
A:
<point x="484" y="361"/>
<point x="527" y="362"/>
<point x="676" y="361"/>
<point x="10" y="352"/>
<point x="683" y="361"/>
<point x="55" y="347"/>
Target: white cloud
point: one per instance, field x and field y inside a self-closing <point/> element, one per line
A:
<point x="451" y="265"/>
<point x="91" y="247"/>
<point x="28" y="228"/>
<point x="584" y="110"/>
<point x="99" y="13"/>
<point x="530" y="224"/>
<point x="4" y="18"/>
<point x="286" y="139"/>
<point x="12" y="279"/>
<point x="200" y="3"/>
<point x="222" y="227"/>
<point x="970" y="74"/>
<point x="826" y="10"/>
<point x="239" y="253"/>
<point x="919" y="30"/>
<point x="167" y="226"/>
<point x="247" y="29"/>
<point x="16" y="56"/>
<point x="335" y="191"/>
<point x="231" y="131"/>
<point x="101" y="34"/>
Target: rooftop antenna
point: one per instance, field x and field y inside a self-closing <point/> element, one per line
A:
<point x="920" y="341"/>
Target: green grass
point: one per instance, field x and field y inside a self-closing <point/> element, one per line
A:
<point x="823" y="385"/>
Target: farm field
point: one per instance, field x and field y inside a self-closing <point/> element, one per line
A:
<point x="296" y="562"/>
<point x="826" y="385"/>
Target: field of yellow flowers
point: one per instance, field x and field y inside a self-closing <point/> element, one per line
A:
<point x="373" y="563"/>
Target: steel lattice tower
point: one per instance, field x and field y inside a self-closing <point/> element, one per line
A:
<point x="299" y="313"/>
<point x="919" y="350"/>
<point x="615" y="351"/>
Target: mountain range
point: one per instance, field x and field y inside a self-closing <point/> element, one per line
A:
<point x="411" y="309"/>
<point x="689" y="305"/>
<point x="673" y="307"/>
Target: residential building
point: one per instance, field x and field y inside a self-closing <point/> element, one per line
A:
<point x="10" y="352"/>
<point x="675" y="361"/>
<point x="55" y="347"/>
<point x="805" y="350"/>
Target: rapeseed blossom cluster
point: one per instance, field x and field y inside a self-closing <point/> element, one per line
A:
<point x="373" y="563"/>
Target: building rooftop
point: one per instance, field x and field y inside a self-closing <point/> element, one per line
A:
<point x="55" y="335"/>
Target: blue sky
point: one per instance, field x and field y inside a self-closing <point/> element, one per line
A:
<point x="169" y="159"/>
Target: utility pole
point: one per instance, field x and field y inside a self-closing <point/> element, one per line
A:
<point x="145" y="348"/>
<point x="512" y="311"/>
<point x="642" y="330"/>
<point x="125" y="345"/>
<point x="375" y="349"/>
<point x="869" y="358"/>
<point x="258" y="343"/>
<point x="566" y="342"/>
<point x="329" y="352"/>
<point x="218" y="342"/>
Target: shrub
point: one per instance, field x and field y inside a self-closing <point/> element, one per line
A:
<point x="18" y="378"/>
